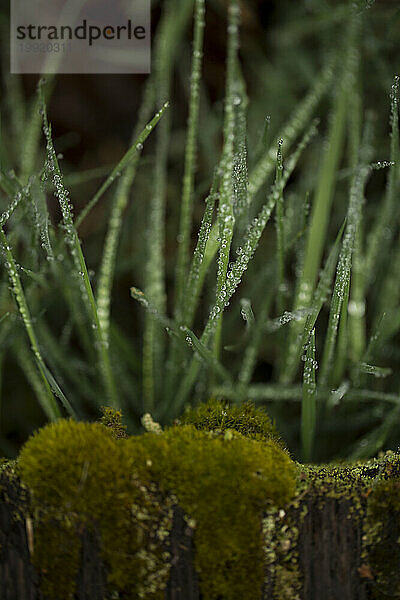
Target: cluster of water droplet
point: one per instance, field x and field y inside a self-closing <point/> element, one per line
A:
<point x="246" y="311"/>
<point x="310" y="365"/>
<point x="17" y="291"/>
<point x="13" y="205"/>
<point x="337" y="395"/>
<point x="382" y="164"/>
<point x="288" y="317"/>
<point x="204" y="234"/>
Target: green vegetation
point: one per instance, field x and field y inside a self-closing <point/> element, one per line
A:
<point x="86" y="474"/>
<point x="223" y="484"/>
<point x="244" y="235"/>
<point x="113" y="420"/>
<point x="243" y="497"/>
<point x="80" y="474"/>
<point x="219" y="416"/>
<point x="227" y="306"/>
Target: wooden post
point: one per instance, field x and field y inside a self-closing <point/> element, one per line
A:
<point x="314" y="548"/>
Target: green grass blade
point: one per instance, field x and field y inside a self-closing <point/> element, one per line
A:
<point x="207" y="356"/>
<point x="183" y="334"/>
<point x="280" y="233"/>
<point x="342" y="349"/>
<point x="29" y="368"/>
<point x="4" y="317"/>
<point x="190" y="159"/>
<point x="262" y="144"/>
<point x="9" y="183"/>
<point x="73" y="242"/>
<point x="142" y="298"/>
<point x="309" y="404"/>
<point x="376" y="243"/>
<point x="388" y="299"/>
<point x="345" y="259"/>
<point x="64" y="275"/>
<point x="381" y="332"/>
<point x="131" y="156"/>
<point x="198" y="269"/>
<point x="16" y="200"/>
<point x="114" y="228"/>
<point x="235" y="274"/>
<point x="320" y="297"/>
<point x="357" y="304"/>
<point x="323" y="200"/>
<point x="256" y="228"/>
<point x="257" y="334"/>
<point x="356" y="337"/>
<point x="226" y="218"/>
<point x="59" y="361"/>
<point x="195" y="279"/>
<point x="374" y="441"/>
<point x="261" y="393"/>
<point x="193" y="286"/>
<point x="294" y="393"/>
<point x="50" y="405"/>
<point x="58" y="392"/>
<point x="41" y="218"/>
<point x="170" y="33"/>
<point x="213" y="241"/>
<point x="247" y="312"/>
<point x="320" y="212"/>
<point x="375" y="371"/>
<point x="240" y="167"/>
<point x="289" y="133"/>
<point x="30" y="149"/>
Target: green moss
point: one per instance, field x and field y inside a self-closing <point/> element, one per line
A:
<point x="218" y="415"/>
<point x="82" y="475"/>
<point x="113" y="419"/>
<point x="382" y="538"/>
<point x="224" y="483"/>
<point x="231" y="487"/>
<point x="373" y="490"/>
<point x="56" y="554"/>
<point x="282" y="574"/>
<point x="347" y="483"/>
<point x="80" y="472"/>
<point x="6" y="465"/>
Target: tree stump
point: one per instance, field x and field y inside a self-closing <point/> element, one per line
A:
<point x="324" y="544"/>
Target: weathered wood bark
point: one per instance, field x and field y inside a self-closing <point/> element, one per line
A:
<point x="329" y="544"/>
<point x="20" y="581"/>
<point x="330" y="552"/>
<point x="183" y="582"/>
<point x="18" y="578"/>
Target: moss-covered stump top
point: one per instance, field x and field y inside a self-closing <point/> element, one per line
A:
<point x="369" y="491"/>
<point x="348" y="481"/>
<point x="248" y="506"/>
<point x="89" y="474"/>
<point x="219" y="416"/>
